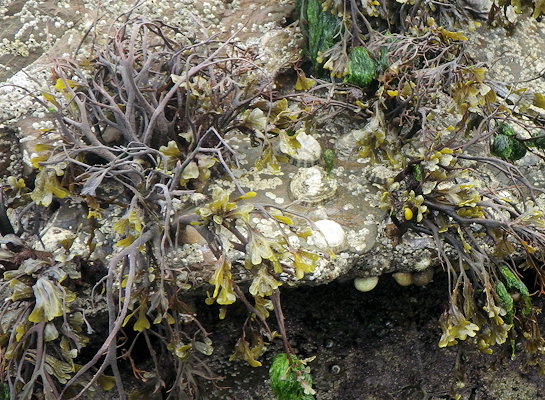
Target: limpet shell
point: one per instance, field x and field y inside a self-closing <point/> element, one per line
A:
<point x="312" y="186"/>
<point x="331" y="236"/>
<point x="307" y="155"/>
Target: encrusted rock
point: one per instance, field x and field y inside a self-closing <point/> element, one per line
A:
<point x="280" y="49"/>
<point x="10" y="157"/>
<point x="380" y="174"/>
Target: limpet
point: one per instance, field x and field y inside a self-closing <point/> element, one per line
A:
<point x="312" y="186"/>
<point x="307" y="155"/>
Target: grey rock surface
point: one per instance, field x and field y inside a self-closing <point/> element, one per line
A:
<point x="393" y="352"/>
<point x="370" y="250"/>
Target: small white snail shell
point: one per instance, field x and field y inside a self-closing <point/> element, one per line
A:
<point x="330" y="236"/>
<point x="366" y="284"/>
<point x="403" y="278"/>
<point x="308" y="153"/>
<point x="422" y="278"/>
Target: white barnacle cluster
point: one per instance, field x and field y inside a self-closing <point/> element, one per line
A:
<point x="15" y="100"/>
<point x="186" y="255"/>
<point x="10" y="157"/>
<point x="381" y="174"/>
<point x="524" y="60"/>
<point x="278" y="48"/>
<point x="357" y="184"/>
<point x="275" y="198"/>
<point x="27" y="30"/>
<point x="15" y="47"/>
<point x="327" y="270"/>
<point x="252" y="180"/>
<point x="358" y="240"/>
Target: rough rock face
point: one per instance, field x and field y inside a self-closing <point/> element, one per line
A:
<point x="10" y="154"/>
<point x="353" y="235"/>
<point x="22" y="115"/>
<point x="370" y="248"/>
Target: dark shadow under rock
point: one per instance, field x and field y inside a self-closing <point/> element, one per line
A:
<point x="378" y="345"/>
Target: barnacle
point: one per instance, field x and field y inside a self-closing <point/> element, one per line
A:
<point x="142" y="139"/>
